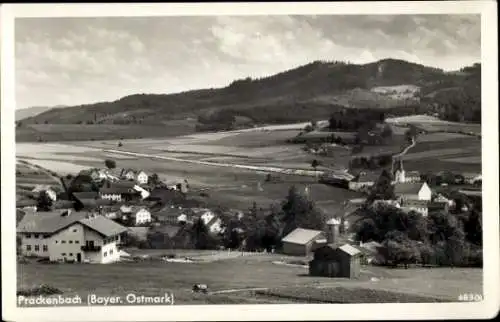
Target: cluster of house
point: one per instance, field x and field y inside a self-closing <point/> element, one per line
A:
<point x="92" y="233"/>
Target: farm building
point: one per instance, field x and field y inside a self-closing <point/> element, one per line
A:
<point x="414" y="191"/>
<point x="332" y="261"/>
<point x="135" y="215"/>
<point x="420" y="206"/>
<point x="472" y="178"/>
<point x="70" y="236"/>
<point x="48" y="190"/>
<point x="363" y="180"/>
<point x="370" y="252"/>
<point x="413" y="176"/>
<point x="300" y="242"/>
<point x="336" y="178"/>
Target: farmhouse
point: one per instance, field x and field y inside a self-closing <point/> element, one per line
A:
<point x="70" y="236"/>
<point x="142" y="177"/>
<point x="472" y="178"/>
<point x="211" y="221"/>
<point x="128" y="174"/>
<point x="363" y="180"/>
<point x="98" y="174"/>
<point x="300" y="242"/>
<point x="370" y="252"/>
<point x="135" y="215"/>
<point x="420" y="206"/>
<point x="413" y="176"/>
<point x="414" y="191"/>
<point x="332" y="261"/>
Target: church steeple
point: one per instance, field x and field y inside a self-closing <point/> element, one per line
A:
<point x="399" y="172"/>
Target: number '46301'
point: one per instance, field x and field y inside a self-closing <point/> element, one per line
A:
<point x="470" y="297"/>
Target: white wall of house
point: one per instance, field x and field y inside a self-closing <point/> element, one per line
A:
<point x="111" y="196"/>
<point x="142" y="177"/>
<point x="130" y="175"/>
<point x="142" y="216"/>
<point x="67" y="243"/>
<point x="425" y="192"/>
<point x="35" y="244"/>
<point x="108" y="246"/>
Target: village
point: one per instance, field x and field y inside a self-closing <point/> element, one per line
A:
<point x="102" y="212"/>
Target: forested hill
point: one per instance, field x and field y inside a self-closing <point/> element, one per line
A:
<point x="308" y="92"/>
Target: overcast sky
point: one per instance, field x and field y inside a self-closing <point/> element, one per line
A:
<point x="70" y="61"/>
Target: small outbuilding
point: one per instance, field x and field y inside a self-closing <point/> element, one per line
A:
<point x="332" y="261"/>
<point x="300" y="242"/>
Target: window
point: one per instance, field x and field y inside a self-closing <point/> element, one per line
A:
<point x="70" y="254"/>
<point x="45" y="248"/>
<point x="56" y="241"/>
<point x="36" y="235"/>
<point x="75" y="230"/>
<point x="28" y="248"/>
<point x="37" y="248"/>
<point x="77" y="242"/>
<point x="105" y="254"/>
<point x="63" y="254"/>
<point x="63" y="242"/>
<point x="28" y="235"/>
<point x="110" y="252"/>
<point x="71" y="242"/>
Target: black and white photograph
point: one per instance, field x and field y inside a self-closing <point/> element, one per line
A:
<point x="232" y="156"/>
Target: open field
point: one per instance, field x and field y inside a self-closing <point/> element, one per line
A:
<point x="433" y="124"/>
<point x="238" y="275"/>
<point x="78" y="132"/>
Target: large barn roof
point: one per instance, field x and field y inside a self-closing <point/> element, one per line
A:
<point x="407" y="188"/>
<point x="301" y="236"/>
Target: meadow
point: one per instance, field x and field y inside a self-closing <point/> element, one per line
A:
<point x="232" y="281"/>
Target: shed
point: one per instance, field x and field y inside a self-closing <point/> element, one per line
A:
<point x="300" y="241"/>
<point x="332" y="261"/>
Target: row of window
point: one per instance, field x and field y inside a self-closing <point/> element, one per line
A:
<point x="43" y="236"/>
<point x="69" y="242"/>
<point x="110" y="253"/>
<point x="64" y="254"/>
<point x="109" y="240"/>
<point x="37" y="248"/>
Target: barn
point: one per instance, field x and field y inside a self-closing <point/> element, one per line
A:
<point x="331" y="261"/>
<point x="300" y="241"/>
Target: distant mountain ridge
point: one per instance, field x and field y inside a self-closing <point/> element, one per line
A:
<point x="310" y="91"/>
<point x="33" y="111"/>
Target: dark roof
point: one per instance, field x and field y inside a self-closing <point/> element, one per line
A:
<point x="115" y="190"/>
<point x="415" y="203"/>
<point x="51" y="222"/>
<point x="48" y="222"/>
<point x="103" y="225"/>
<point x="86" y="195"/>
<point x="170" y="230"/>
<point x="407" y="188"/>
<point x="368" y="177"/>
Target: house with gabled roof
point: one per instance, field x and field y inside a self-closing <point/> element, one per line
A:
<point x="70" y="236"/>
<point x="412" y="190"/>
<point x="301" y="241"/>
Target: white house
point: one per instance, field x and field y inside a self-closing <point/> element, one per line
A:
<point x="139" y="215"/>
<point x="144" y="193"/>
<point x="51" y="193"/>
<point x="98" y="174"/>
<point x="412" y="191"/>
<point x="70" y="236"/>
<point x="142" y="177"/>
<point x="213" y="222"/>
<point x="129" y="174"/>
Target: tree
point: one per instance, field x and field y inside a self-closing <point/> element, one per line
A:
<point x="386" y="132"/>
<point x="383" y="188"/>
<point x="411" y="133"/>
<point x="200" y="236"/>
<point x="154" y="179"/>
<point x="44" y="202"/>
<point x="110" y="164"/>
<point x="298" y="211"/>
<point x="315" y="163"/>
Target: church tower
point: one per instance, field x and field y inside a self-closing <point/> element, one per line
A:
<point x="399" y="173"/>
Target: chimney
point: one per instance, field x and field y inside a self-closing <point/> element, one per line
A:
<point x="332" y="232"/>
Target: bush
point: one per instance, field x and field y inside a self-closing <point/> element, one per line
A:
<point x="43" y="289"/>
